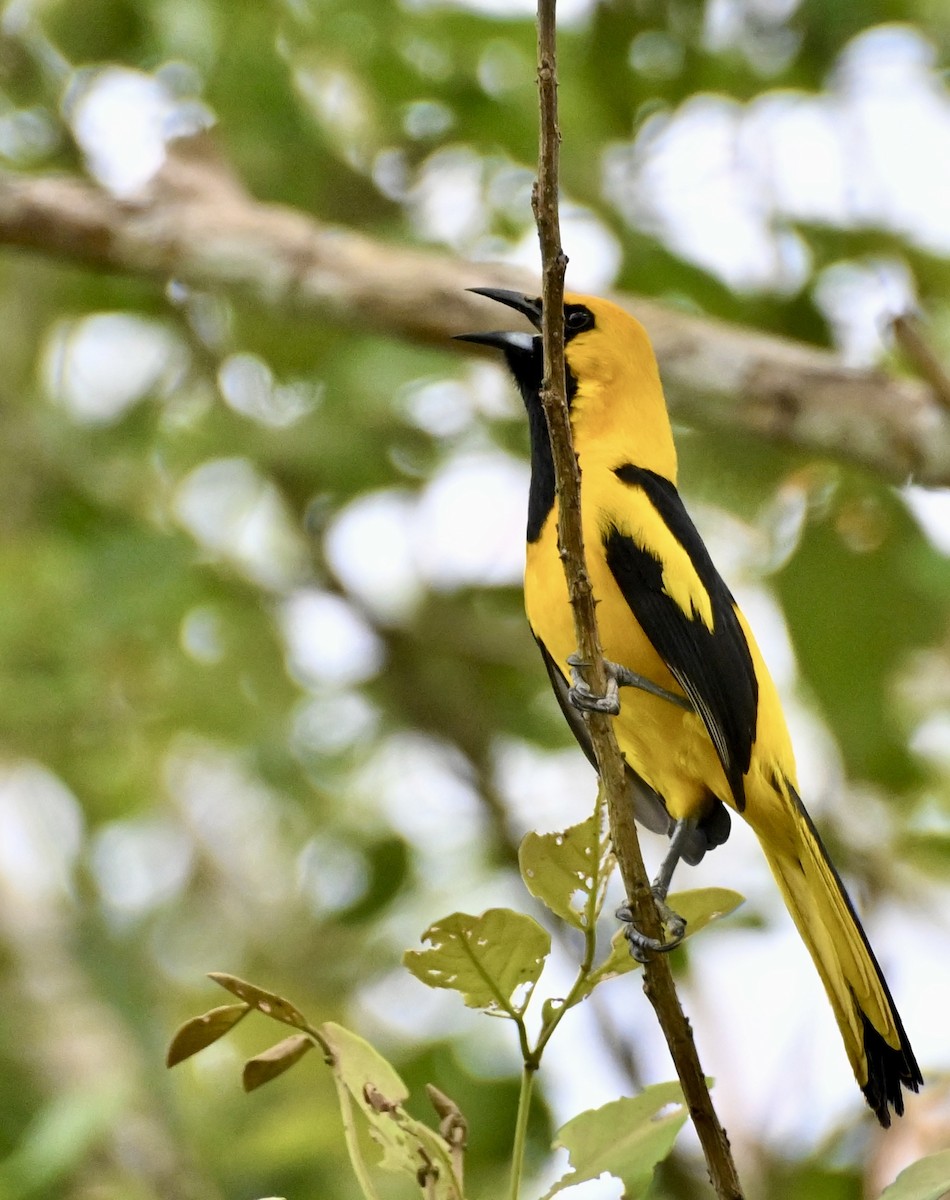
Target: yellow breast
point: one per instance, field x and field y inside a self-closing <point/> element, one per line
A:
<point x="667" y="746"/>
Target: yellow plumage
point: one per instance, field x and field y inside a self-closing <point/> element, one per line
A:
<point x="665" y="614"/>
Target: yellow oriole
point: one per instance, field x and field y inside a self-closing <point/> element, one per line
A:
<point x="702" y="729"/>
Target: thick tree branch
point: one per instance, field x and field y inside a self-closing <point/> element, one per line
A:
<point x="658" y="978"/>
<point x="197" y="225"/>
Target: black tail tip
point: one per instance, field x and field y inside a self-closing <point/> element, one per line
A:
<point x="889" y="1071"/>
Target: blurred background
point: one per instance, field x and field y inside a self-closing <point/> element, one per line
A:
<point x="271" y="706"/>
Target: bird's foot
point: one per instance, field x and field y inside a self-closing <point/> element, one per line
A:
<point x="618" y="676"/>
<point x="642" y="946"/>
<point x="580" y="694"/>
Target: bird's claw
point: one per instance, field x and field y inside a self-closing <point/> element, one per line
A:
<point x="642" y="946"/>
<point x="581" y="696"/>
<point x="618" y="676"/>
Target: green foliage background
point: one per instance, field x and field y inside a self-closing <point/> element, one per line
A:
<point x="196" y="821"/>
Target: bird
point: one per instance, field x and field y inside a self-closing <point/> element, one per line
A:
<point x="700" y="725"/>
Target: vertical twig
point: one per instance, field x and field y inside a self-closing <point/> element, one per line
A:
<point x="528" y="1072"/>
<point x="658" y="980"/>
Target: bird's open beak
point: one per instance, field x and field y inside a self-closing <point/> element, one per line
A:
<point x="528" y="307"/>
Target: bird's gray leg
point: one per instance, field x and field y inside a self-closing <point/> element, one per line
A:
<point x="642" y="946"/>
<point x="584" y="699"/>
<point x="664" y="877"/>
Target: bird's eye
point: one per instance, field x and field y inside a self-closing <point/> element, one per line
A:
<point x="578" y="319"/>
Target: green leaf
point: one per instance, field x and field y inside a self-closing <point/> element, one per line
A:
<point x="494" y="960"/>
<point x="268" y="1003"/>
<point x="568" y="871"/>
<point x="407" y="1144"/>
<point x="377" y="1089"/>
<point x="928" y="1179"/>
<point x="625" y="1138"/>
<point x="201" y="1031"/>
<point x="275" y="1061"/>
<point x="618" y="962"/>
<point x="362" y="1069"/>
<point x="699" y="908"/>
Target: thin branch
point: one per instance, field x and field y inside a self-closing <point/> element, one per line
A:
<point x="521" y="1130"/>
<point x="924" y="358"/>
<point x="198" y="225"/>
<point x="658" y="978"/>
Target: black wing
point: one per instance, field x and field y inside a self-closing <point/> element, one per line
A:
<point x="713" y="667"/>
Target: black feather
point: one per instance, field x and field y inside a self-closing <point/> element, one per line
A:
<point x="713" y="667"/>
<point x="888" y="1068"/>
<point x="527" y="367"/>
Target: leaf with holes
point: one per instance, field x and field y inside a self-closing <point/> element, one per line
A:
<point x="202" y="1031"/>
<point x="493" y="961"/>
<point x="377" y="1090"/>
<point x="268" y="1003"/>
<point x="363" y="1070"/>
<point x="699" y="908"/>
<point x="568" y="871"/>
<point x="409" y="1146"/>
<point x="275" y="1061"/>
<point x="625" y="1138"/>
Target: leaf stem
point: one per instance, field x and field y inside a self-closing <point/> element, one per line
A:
<point x="521" y="1129"/>
<point x="529" y="1057"/>
<point x="583" y="973"/>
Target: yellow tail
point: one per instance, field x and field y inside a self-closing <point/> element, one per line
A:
<point x="870" y="1025"/>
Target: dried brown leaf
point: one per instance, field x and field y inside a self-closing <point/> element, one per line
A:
<point x="275" y="1061"/>
<point x="268" y="1003"/>
<point x="199" y="1032"/>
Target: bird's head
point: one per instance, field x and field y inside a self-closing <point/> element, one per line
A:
<point x="613" y="385"/>
<point x="601" y="341"/>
